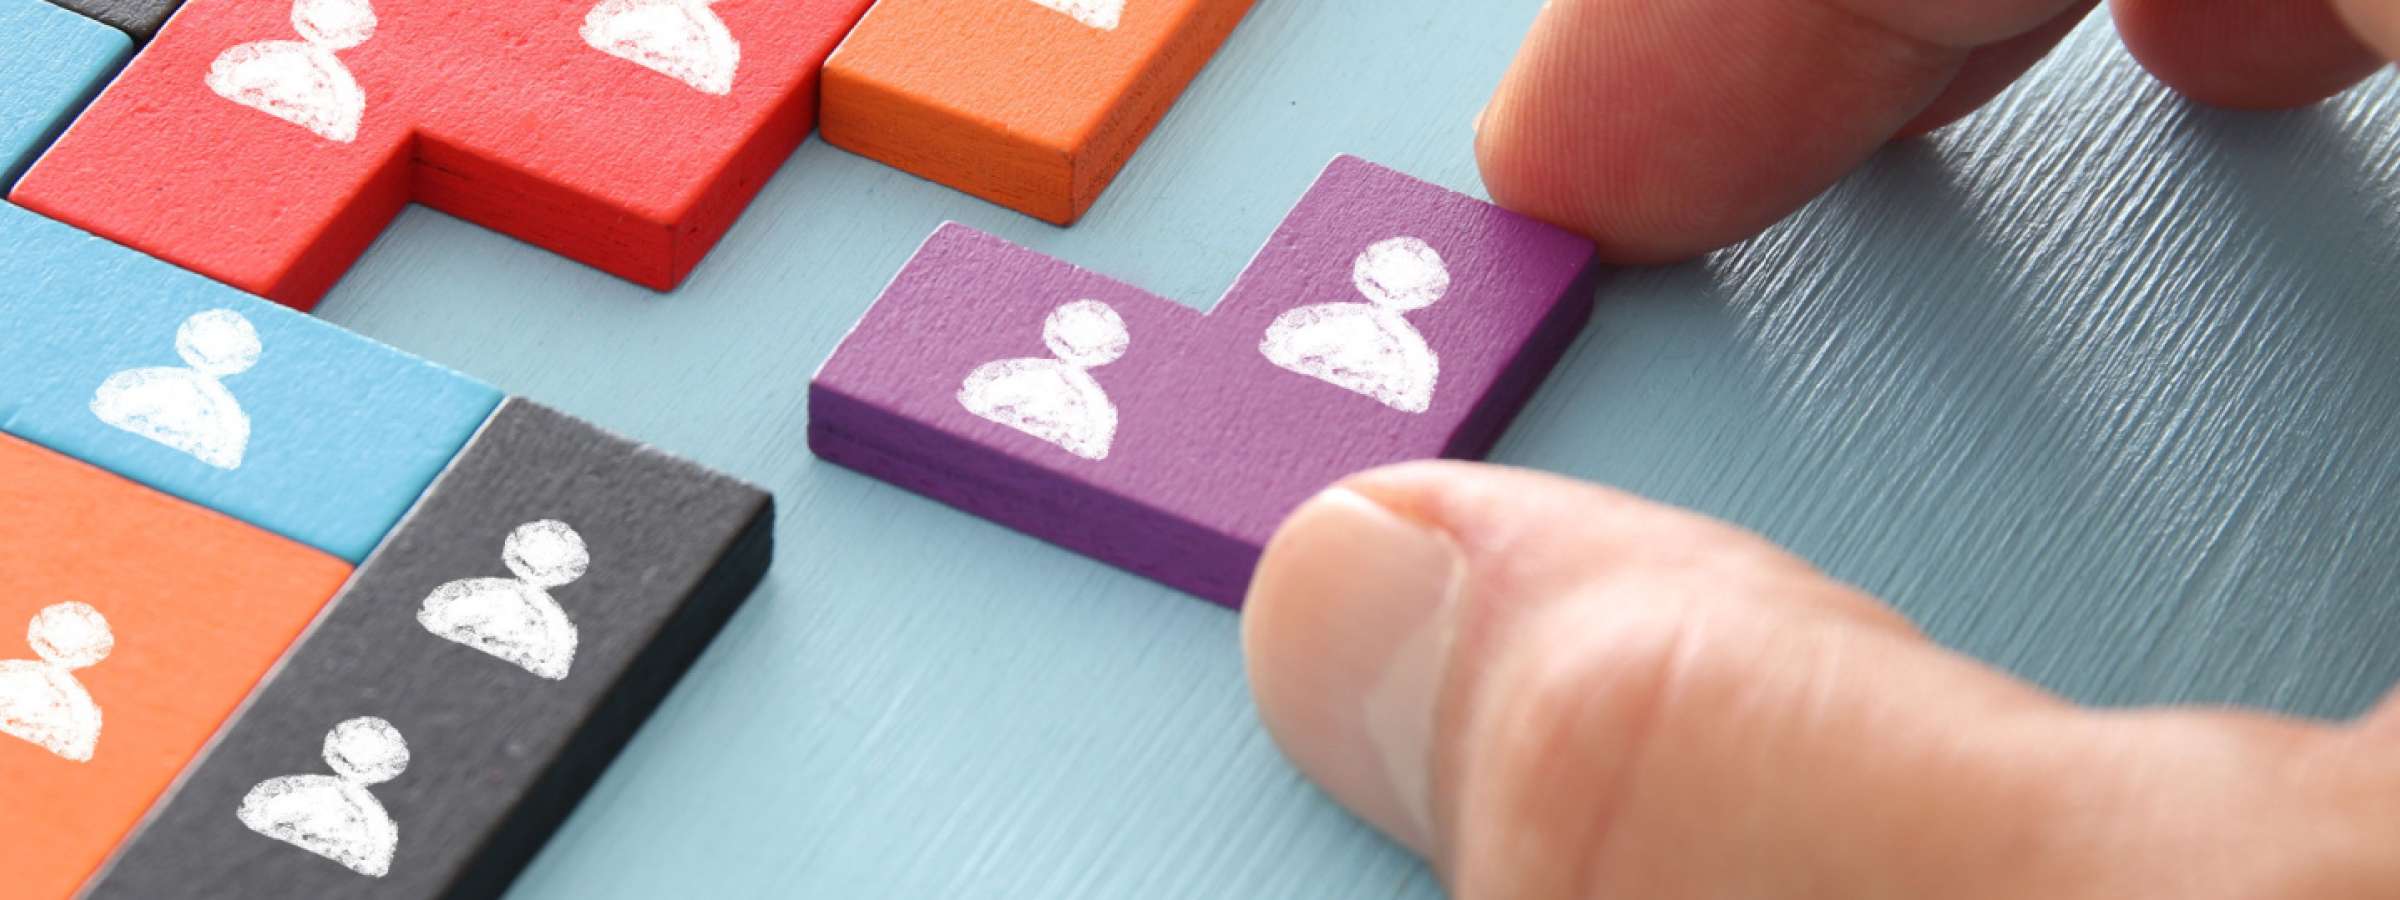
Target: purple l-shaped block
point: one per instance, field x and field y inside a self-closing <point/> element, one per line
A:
<point x="1386" y="320"/>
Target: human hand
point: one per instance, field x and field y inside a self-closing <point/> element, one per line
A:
<point x="1554" y="690"/>
<point x="1667" y="128"/>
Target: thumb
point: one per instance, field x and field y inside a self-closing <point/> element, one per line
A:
<point x="1555" y="690"/>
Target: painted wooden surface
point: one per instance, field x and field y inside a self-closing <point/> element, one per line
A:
<point x="1126" y="426"/>
<point x="503" y="728"/>
<point x="138" y="18"/>
<point x="265" y="144"/>
<point x="2098" y="385"/>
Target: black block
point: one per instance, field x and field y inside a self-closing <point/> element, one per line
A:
<point x="498" y="751"/>
<point x="139" y="18"/>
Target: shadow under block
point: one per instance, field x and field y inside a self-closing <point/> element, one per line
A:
<point x="504" y="114"/>
<point x="1030" y="104"/>
<point x="52" y="61"/>
<point x="196" y="607"/>
<point x="1213" y="443"/>
<point x="496" y="754"/>
<point x="139" y="18"/>
<point x="315" y="433"/>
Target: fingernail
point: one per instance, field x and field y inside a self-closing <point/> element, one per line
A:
<point x="1350" y="622"/>
<point x="1479" y="114"/>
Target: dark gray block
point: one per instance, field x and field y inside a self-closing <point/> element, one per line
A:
<point x="139" y="18"/>
<point x="498" y="754"/>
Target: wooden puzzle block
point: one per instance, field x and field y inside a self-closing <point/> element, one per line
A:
<point x="1031" y="104"/>
<point x="265" y="144"/>
<point x="178" y="382"/>
<point x="139" y="18"/>
<point x="131" y="625"/>
<point x="1386" y="320"/>
<point x="53" y="60"/>
<point x="474" y="678"/>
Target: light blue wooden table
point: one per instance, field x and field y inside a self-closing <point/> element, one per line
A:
<point x="2101" y="386"/>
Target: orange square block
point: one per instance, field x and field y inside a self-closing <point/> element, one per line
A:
<point x="1031" y="104"/>
<point x="131" y="624"/>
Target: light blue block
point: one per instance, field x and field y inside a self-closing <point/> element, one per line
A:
<point x="52" y="62"/>
<point x="343" y="433"/>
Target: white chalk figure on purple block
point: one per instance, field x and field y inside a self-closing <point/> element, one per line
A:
<point x="188" y="407"/>
<point x="303" y="82"/>
<point x="515" y="618"/>
<point x="1057" y="399"/>
<point x="41" y="702"/>
<point x="1370" y="347"/>
<point x="681" y="39"/>
<point x="1100" y="14"/>
<point x="335" y="816"/>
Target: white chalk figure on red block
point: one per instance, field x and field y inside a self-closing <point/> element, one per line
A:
<point x="41" y="702"/>
<point x="1057" y="399"/>
<point x="335" y="816"/>
<point x="516" y="619"/>
<point x="1100" y="14"/>
<point x="1370" y="347"/>
<point x="681" y="39"/>
<point x="303" y="82"/>
<point x="188" y="407"/>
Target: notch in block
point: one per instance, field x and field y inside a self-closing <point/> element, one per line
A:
<point x="1386" y="320"/>
<point x="1031" y="104"/>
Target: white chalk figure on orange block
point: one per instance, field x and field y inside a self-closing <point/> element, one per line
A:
<point x="188" y="407"/>
<point x="516" y="619"/>
<point x="1100" y="14"/>
<point x="1370" y="347"/>
<point x="335" y="816"/>
<point x="681" y="39"/>
<point x="1057" y="399"/>
<point x="303" y="82"/>
<point x="40" y="700"/>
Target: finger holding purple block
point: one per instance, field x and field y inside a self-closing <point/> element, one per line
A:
<point x="1386" y="320"/>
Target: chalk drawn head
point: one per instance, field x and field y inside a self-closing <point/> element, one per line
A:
<point x="545" y="553"/>
<point x="70" y="636"/>
<point x="1100" y="14"/>
<point x="366" y="750"/>
<point x="334" y="24"/>
<point x="217" y="343"/>
<point x="1401" y="274"/>
<point x="1085" y="334"/>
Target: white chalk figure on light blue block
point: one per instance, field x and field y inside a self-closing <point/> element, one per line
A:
<point x="335" y="816"/>
<point x="188" y="407"/>
<point x="1057" y="399"/>
<point x="303" y="82"/>
<point x="681" y="39"/>
<point x="1100" y="14"/>
<point x="1370" y="348"/>
<point x="515" y="618"/>
<point x="41" y="702"/>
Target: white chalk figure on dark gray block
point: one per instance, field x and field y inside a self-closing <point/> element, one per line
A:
<point x="303" y="82"/>
<point x="516" y="619"/>
<point x="188" y="407"/>
<point x="1370" y="347"/>
<point x="681" y="39"/>
<point x="41" y="701"/>
<point x="1100" y="14"/>
<point x="335" y="816"/>
<point x="1057" y="399"/>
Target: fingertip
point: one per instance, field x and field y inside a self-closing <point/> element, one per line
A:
<point x="2376" y="22"/>
<point x="2245" y="54"/>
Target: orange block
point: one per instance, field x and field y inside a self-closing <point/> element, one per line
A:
<point x="1031" y="104"/>
<point x="131" y="625"/>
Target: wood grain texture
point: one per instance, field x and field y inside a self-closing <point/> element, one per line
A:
<point x="1031" y="104"/>
<point x="2096" y="384"/>
<point x="502" y="113"/>
<point x="498" y="755"/>
<point x="55" y="60"/>
<point x="197" y="607"/>
<point x="138" y="18"/>
<point x="1206" y="443"/>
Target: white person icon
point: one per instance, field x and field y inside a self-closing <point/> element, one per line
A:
<point x="40" y="699"/>
<point x="335" y="816"/>
<point x="188" y="407"/>
<point x="1370" y="347"/>
<point x="302" y="82"/>
<point x="1057" y="399"/>
<point x="681" y="39"/>
<point x="516" y="619"/>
